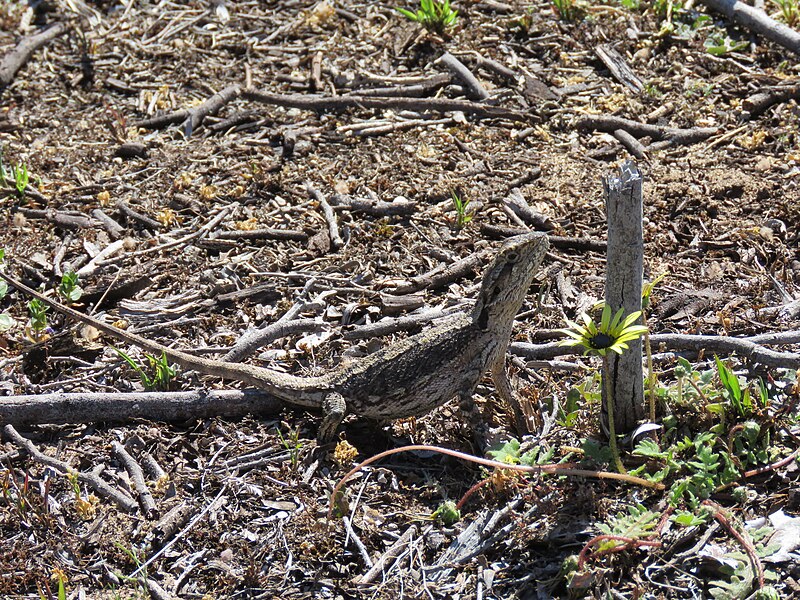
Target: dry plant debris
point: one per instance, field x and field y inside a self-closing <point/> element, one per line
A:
<point x="209" y="166"/>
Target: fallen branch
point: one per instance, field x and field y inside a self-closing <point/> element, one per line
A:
<point x="20" y="55"/>
<point x="675" y="135"/>
<point x="63" y="407"/>
<point x="758" y="21"/>
<point x="751" y="348"/>
<point x="91" y="478"/>
<point x="211" y="106"/>
<point x="325" y="103"/>
<point x="759" y="102"/>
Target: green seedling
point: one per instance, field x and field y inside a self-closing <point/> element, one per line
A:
<point x="293" y="445"/>
<point x="509" y="453"/>
<point x="37" y="324"/>
<point x="461" y="207"/>
<point x="162" y="372"/>
<point x="434" y="15"/>
<point x="21" y="178"/>
<point x="569" y="10"/>
<point x="720" y="44"/>
<point x="447" y="513"/>
<point x="69" y="288"/>
<point x="790" y="11"/>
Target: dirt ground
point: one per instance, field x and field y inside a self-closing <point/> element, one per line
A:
<point x="249" y="496"/>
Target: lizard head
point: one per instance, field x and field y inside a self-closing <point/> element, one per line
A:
<point x="507" y="279"/>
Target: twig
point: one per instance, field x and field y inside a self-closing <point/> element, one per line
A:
<point x="92" y="479"/>
<point x="362" y="550"/>
<point x="330" y="217"/>
<point x="323" y="103"/>
<point x="181" y="533"/>
<point x="475" y="90"/>
<point x="20" y="55"/>
<point x="391" y="554"/>
<point x="443" y="275"/>
<point x="211" y="106"/>
<point x="611" y="124"/>
<point x="146" y="502"/>
<point x="159" y="406"/>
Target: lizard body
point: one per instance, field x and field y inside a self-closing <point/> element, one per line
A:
<point x="408" y="378"/>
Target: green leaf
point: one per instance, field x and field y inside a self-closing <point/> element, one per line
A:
<point x="447" y="513"/>
<point x="507" y="453"/>
<point x="650" y="449"/>
<point x="6" y="322"/>
<point x="596" y="452"/>
<point x="689" y="519"/>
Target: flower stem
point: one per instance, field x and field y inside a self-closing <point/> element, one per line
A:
<point x="612" y="434"/>
<point x="651" y="376"/>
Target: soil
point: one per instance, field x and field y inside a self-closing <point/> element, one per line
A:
<point x="250" y="495"/>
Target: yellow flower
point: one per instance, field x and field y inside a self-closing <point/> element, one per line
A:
<point x="610" y="335"/>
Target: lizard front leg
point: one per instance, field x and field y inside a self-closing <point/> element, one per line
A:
<point x="334" y="409"/>
<point x="503" y="387"/>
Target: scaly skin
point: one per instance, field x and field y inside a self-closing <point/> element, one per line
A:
<point x="410" y="377"/>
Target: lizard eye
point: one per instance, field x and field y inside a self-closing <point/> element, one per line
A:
<point x="512" y="257"/>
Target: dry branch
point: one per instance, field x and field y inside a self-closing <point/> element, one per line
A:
<point x="146" y="502"/>
<point x="20" y="55"/>
<point x="758" y="21"/>
<point x="610" y="124"/>
<point x="91" y="478"/>
<point x="63" y="407"/>
<point x="324" y="103"/>
<point x="750" y="348"/>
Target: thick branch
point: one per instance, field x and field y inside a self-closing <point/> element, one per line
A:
<point x="157" y="406"/>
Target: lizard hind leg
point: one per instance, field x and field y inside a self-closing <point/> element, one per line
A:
<point x="334" y="409"/>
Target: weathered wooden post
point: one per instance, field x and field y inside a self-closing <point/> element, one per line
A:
<point x="624" y="264"/>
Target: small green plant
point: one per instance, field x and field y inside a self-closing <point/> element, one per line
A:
<point x="69" y="288"/>
<point x="434" y="15"/>
<point x="17" y="176"/>
<point x="61" y="594"/>
<point x="509" y="453"/>
<point x="293" y="445"/>
<point x="696" y="464"/>
<point x="569" y="10"/>
<point x="461" y="206"/>
<point x="447" y="513"/>
<point x="37" y="325"/>
<point x="162" y="373"/>
<point x="790" y="11"/>
<point x="647" y="292"/>
<point x="140" y="566"/>
<point x="21" y="178"/>
<point x="719" y="44"/>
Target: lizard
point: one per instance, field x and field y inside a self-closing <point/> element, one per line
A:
<point x="408" y="378"/>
